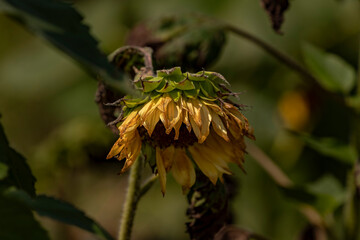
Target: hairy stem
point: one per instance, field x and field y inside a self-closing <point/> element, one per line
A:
<point x="132" y="198"/>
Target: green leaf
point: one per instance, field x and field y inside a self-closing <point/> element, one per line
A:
<point x="17" y="221"/>
<point x="330" y="194"/>
<point x="61" y="25"/>
<point x="331" y="71"/>
<point x="354" y="102"/>
<point x="331" y="147"/>
<point x="18" y="173"/>
<point x="61" y="211"/>
<point x="3" y="170"/>
<point x="325" y="195"/>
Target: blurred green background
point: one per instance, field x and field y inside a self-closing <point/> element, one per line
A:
<point x="49" y="114"/>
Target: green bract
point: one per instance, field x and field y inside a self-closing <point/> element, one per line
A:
<point x="206" y="85"/>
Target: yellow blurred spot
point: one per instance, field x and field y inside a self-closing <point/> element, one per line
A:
<point x="294" y="110"/>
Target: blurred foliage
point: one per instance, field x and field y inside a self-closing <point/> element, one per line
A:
<point x="49" y="115"/>
<point x="333" y="73"/>
<point x="191" y="41"/>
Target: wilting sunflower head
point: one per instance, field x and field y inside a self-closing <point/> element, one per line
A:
<point x="187" y="118"/>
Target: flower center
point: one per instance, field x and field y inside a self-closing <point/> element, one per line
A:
<point x="160" y="139"/>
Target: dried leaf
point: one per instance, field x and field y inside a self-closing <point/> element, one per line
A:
<point x="208" y="209"/>
<point x="275" y="10"/>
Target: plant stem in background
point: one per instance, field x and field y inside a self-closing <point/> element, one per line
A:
<point x="281" y="179"/>
<point x="132" y="198"/>
<point x="358" y="77"/>
<point x="287" y="60"/>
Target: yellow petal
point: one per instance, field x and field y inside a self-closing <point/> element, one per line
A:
<point x="214" y="107"/>
<point x="177" y="116"/>
<point x="194" y="107"/>
<point x="196" y="129"/>
<point x="178" y="126"/>
<point x="216" y="157"/>
<point x="173" y="115"/>
<point x="161" y="170"/>
<point x="186" y="120"/>
<point x="151" y="120"/>
<point x="130" y="124"/>
<point x="205" y="166"/>
<point x="206" y="120"/>
<point x="183" y="170"/>
<point x="116" y="149"/>
<point x="163" y="102"/>
<point x="234" y="128"/>
<point x="132" y="152"/>
<point x="168" y="157"/>
<point x="218" y="126"/>
<point x="145" y="110"/>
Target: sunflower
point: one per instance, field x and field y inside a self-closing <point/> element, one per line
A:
<point x="187" y="118"/>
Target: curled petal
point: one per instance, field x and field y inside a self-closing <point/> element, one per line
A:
<point x="218" y="126"/>
<point x="163" y="102"/>
<point x="194" y="107"/>
<point x="205" y="166"/>
<point x="130" y="123"/>
<point x="116" y="149"/>
<point x="173" y="115"/>
<point x="164" y="162"/>
<point x="132" y="152"/>
<point x="206" y="120"/>
<point x="183" y="170"/>
<point x="151" y="120"/>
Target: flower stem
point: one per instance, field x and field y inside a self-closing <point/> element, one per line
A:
<point x="132" y="198"/>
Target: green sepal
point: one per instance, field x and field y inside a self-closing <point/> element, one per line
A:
<point x="215" y="86"/>
<point x="202" y="96"/>
<point x="215" y="77"/>
<point x="185" y="85"/>
<point x="168" y="87"/>
<point x="196" y="77"/>
<point x="207" y="89"/>
<point x="173" y="74"/>
<point x="126" y="112"/>
<point x="192" y="93"/>
<point x="155" y="95"/>
<point x="151" y="83"/>
<point x="175" y="95"/>
<point x="131" y="103"/>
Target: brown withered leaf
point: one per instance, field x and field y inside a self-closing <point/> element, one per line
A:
<point x="208" y="208"/>
<point x="275" y="10"/>
<point x="128" y="60"/>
